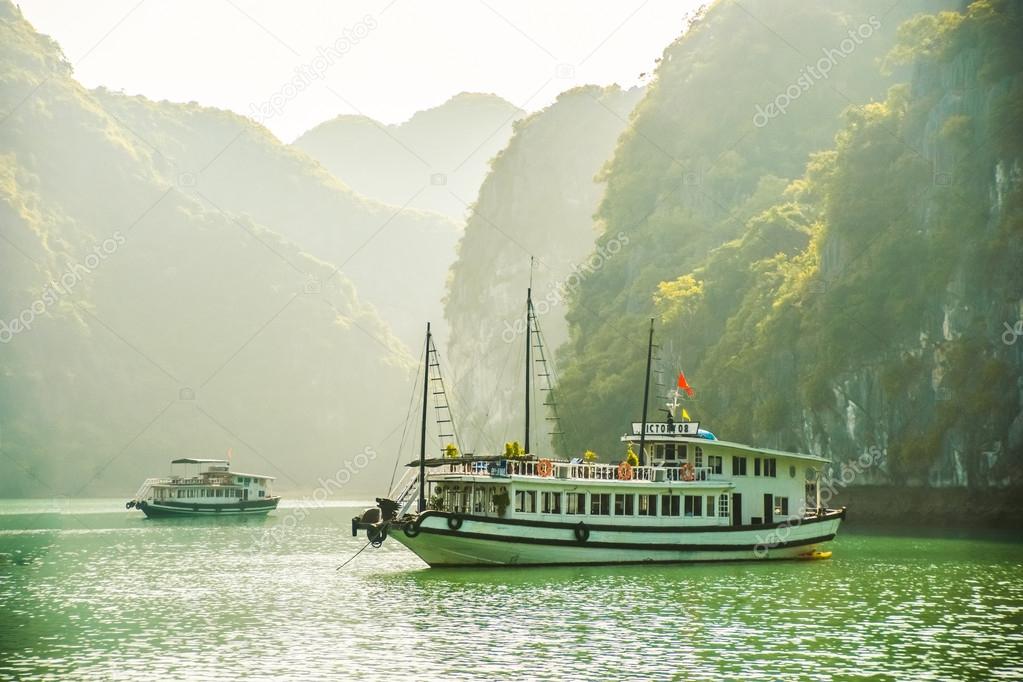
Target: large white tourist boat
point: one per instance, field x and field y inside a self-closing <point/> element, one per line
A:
<point x="685" y="496"/>
<point x="205" y="487"/>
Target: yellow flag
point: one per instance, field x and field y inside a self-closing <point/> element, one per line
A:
<point x="685" y="415"/>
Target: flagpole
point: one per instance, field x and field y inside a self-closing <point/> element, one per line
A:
<point x="646" y="395"/>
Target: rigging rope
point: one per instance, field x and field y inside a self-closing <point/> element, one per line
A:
<point x="404" y="431"/>
<point x="350" y="559"/>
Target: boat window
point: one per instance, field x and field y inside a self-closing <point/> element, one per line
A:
<point x="625" y="504"/>
<point x="647" y="505"/>
<point x="694" y="505"/>
<point x="710" y="505"/>
<point x="738" y="466"/>
<point x="659" y="451"/>
<point x="756" y="466"/>
<point x="670" y="505"/>
<point x="723" y="506"/>
<point x="781" y="505"/>
<point x="669" y="451"/>
<point x="716" y="463"/>
<point x="682" y="451"/>
<point x="600" y="504"/>
<point x="575" y="503"/>
<point x="698" y="457"/>
<point x="525" y="501"/>
<point x="179" y="493"/>
<point x="771" y="467"/>
<point x="551" y="502"/>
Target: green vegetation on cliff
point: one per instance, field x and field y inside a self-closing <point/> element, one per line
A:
<point x="864" y="307"/>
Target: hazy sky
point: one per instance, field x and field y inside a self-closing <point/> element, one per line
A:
<point x="314" y="59"/>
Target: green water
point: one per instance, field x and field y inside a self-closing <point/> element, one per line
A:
<point x="89" y="591"/>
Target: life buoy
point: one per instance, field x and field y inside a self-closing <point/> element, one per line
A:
<point x="411" y="530"/>
<point x="688" y="472"/>
<point x="625" y="471"/>
<point x="582" y="533"/>
<point x="454" y="522"/>
<point x="544" y="467"/>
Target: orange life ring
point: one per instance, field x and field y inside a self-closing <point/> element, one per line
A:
<point x="544" y="467"/>
<point x="624" y="471"/>
<point x="688" y="472"/>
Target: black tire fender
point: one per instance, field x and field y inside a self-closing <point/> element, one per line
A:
<point x="411" y="530"/>
<point x="454" y="522"/>
<point x="582" y="533"/>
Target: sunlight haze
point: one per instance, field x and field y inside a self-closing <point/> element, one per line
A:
<point x="235" y="54"/>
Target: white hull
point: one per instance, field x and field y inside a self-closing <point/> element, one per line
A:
<point x="490" y="543"/>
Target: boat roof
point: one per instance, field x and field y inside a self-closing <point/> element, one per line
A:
<point x="190" y="460"/>
<point x="696" y="440"/>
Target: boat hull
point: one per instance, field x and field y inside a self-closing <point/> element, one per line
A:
<point x="246" y="508"/>
<point x="479" y="541"/>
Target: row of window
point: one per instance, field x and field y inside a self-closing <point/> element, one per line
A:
<point x="623" y="504"/>
<point x="188" y="493"/>
<point x="672" y="452"/>
<point x="762" y="466"/>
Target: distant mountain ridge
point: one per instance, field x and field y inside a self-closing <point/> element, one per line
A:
<point x="436" y="160"/>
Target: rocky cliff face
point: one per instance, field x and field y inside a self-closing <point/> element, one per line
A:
<point x="537" y="201"/>
<point x="957" y="419"/>
<point x="893" y="330"/>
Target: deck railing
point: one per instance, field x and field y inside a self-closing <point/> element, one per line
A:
<point x="579" y="471"/>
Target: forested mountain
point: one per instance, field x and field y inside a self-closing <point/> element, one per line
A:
<point x="141" y="322"/>
<point x="229" y="163"/>
<point x="826" y="302"/>
<point x="537" y="201"/>
<point x="436" y="160"/>
<point x="868" y="307"/>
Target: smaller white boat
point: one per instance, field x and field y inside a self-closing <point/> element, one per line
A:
<point x="205" y="487"/>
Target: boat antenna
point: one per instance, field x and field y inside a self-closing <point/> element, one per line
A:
<point x="529" y="343"/>
<point x="646" y="395"/>
<point x="422" y="432"/>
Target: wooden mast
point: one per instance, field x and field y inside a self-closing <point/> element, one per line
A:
<point x="422" y="432"/>
<point x="529" y="343"/>
<point x="646" y="395"/>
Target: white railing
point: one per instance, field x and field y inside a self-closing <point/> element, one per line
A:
<point x="580" y="471"/>
<point x="143" y="491"/>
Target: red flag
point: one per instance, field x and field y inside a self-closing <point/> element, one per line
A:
<point x="684" y="385"/>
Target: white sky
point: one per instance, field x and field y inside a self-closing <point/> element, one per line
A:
<point x="235" y="54"/>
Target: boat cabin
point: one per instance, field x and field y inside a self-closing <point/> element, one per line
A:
<point x="209" y="481"/>
<point x="685" y="478"/>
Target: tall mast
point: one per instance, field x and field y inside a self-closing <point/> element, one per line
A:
<point x="529" y="343"/>
<point x="422" y="432"/>
<point x="646" y="394"/>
